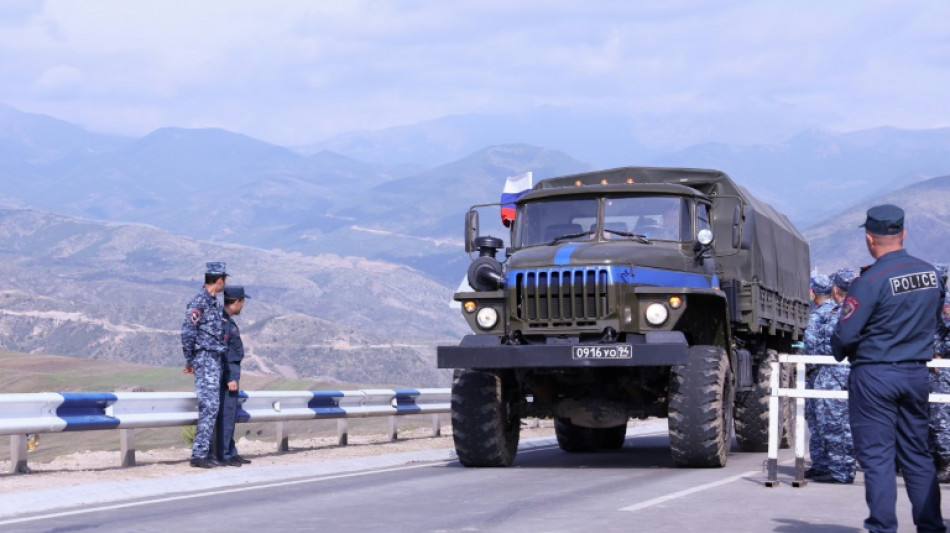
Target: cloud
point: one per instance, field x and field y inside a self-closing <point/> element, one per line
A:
<point x="297" y="71"/>
<point x="59" y="81"/>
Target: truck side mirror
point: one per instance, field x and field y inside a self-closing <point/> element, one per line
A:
<point x="737" y="227"/>
<point x="471" y="230"/>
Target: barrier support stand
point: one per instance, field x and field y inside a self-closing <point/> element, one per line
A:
<point x="127" y="447"/>
<point x="799" y="428"/>
<point x="342" y="432"/>
<point x="774" y="430"/>
<point x="393" y="434"/>
<point x="18" y="455"/>
<point x="436" y="425"/>
<point x="283" y="441"/>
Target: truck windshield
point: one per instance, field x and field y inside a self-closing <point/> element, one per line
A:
<point x="556" y="220"/>
<point x="663" y="218"/>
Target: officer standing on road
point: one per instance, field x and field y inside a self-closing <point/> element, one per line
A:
<point x="817" y="342"/>
<point x="225" y="450"/>
<point x="886" y="331"/>
<point x="940" y="384"/>
<point x="203" y="344"/>
<point x="837" y="463"/>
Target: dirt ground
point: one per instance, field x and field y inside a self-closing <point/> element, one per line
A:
<point x="102" y="466"/>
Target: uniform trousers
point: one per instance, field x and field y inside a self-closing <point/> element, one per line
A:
<point x="888" y="408"/>
<point x="207" y="367"/>
<point x="940" y="414"/>
<point x="224" y="447"/>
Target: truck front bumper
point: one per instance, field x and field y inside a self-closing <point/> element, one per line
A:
<point x="656" y="348"/>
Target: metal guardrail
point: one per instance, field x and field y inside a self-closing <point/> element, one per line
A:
<point x="24" y="414"/>
<point x="799" y="393"/>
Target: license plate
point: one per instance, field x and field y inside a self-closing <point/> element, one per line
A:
<point x="616" y="351"/>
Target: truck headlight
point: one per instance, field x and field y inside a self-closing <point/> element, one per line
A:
<point x="487" y="317"/>
<point x="657" y="314"/>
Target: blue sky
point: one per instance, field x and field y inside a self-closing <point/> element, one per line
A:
<point x="294" y="72"/>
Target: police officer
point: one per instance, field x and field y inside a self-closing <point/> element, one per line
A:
<point x="203" y="344"/>
<point x="817" y="342"/>
<point x="940" y="384"/>
<point x="225" y="450"/>
<point x="833" y="426"/>
<point x="886" y="331"/>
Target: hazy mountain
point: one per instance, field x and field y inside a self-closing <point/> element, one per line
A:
<point x="216" y="185"/>
<point x="603" y="139"/>
<point x="817" y="173"/>
<point x="118" y="291"/>
<point x="839" y="241"/>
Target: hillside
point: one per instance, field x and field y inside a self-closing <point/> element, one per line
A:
<point x="118" y="292"/>
<point x="839" y="241"/>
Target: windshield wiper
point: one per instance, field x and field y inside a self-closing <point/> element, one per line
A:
<point x="567" y="236"/>
<point x="637" y="236"/>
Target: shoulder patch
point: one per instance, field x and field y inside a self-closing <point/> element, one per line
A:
<point x="946" y="312"/>
<point x="913" y="282"/>
<point x="194" y="315"/>
<point x="848" y="307"/>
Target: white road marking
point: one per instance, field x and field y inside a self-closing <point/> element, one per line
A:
<point x="208" y="493"/>
<point x="680" y="494"/>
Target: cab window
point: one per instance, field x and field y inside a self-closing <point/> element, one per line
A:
<point x="555" y="220"/>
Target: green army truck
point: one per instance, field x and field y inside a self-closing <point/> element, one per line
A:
<point x="627" y="293"/>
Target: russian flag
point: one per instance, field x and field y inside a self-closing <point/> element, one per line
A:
<point x="515" y="187"/>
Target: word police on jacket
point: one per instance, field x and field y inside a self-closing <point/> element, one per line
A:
<point x="913" y="282"/>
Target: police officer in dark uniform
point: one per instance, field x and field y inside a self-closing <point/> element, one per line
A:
<point x="886" y="331"/>
<point x="225" y="450"/>
<point x="203" y="345"/>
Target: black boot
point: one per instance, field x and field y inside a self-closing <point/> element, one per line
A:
<point x="943" y="469"/>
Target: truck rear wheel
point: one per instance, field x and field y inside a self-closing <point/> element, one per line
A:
<point x="752" y="410"/>
<point x="700" y="408"/>
<point x="576" y="439"/>
<point x="573" y="438"/>
<point x="612" y="438"/>
<point x="486" y="420"/>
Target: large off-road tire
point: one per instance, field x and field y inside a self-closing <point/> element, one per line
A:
<point x="612" y="438"/>
<point x="576" y="439"/>
<point x="752" y="409"/>
<point x="573" y="438"/>
<point x="700" y="408"/>
<point x="486" y="419"/>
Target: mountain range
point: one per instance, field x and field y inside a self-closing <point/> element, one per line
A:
<point x="355" y="243"/>
<point x="118" y="292"/>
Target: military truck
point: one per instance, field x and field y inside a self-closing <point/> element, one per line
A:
<point x="627" y="293"/>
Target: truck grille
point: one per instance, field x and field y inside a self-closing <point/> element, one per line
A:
<point x="561" y="298"/>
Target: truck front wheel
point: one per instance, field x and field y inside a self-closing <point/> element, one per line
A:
<point x="752" y="409"/>
<point x="701" y="396"/>
<point x="486" y="420"/>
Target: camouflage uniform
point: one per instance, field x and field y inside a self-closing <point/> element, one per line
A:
<point x="817" y="342"/>
<point x="833" y="425"/>
<point x="939" y="434"/>
<point x="203" y="344"/>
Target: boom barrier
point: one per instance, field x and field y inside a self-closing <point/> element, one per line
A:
<point x="799" y="393"/>
<point x="35" y="413"/>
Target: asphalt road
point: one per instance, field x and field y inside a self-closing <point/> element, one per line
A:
<point x="632" y="489"/>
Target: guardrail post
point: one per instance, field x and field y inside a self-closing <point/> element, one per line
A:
<point x="393" y="434"/>
<point x="774" y="429"/>
<point x="342" y="431"/>
<point x="18" y="454"/>
<point x="127" y="447"/>
<point x="799" y="427"/>
<point x="436" y="425"/>
<point x="283" y="441"/>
